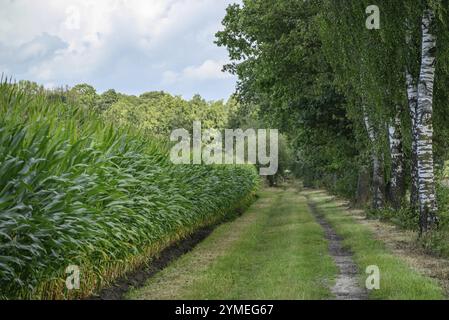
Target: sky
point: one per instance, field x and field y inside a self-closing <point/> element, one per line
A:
<point x="132" y="46"/>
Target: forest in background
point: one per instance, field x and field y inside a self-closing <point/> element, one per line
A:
<point x="155" y="112"/>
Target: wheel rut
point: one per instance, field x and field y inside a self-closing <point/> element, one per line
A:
<point x="346" y="286"/>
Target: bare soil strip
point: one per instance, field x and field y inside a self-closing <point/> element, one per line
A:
<point x="171" y="283"/>
<point x="346" y="286"/>
<point x="138" y="278"/>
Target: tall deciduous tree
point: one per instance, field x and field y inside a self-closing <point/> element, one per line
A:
<point x="305" y="62"/>
<point x="424" y="126"/>
<point x="278" y="57"/>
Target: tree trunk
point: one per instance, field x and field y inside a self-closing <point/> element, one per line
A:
<point x="426" y="180"/>
<point x="378" y="183"/>
<point x="362" y="194"/>
<point x="412" y="94"/>
<point x="397" y="183"/>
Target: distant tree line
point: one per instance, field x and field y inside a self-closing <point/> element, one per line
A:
<point x="155" y="112"/>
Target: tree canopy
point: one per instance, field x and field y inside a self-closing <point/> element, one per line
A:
<point x="350" y="97"/>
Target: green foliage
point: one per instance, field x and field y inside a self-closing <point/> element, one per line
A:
<point x="403" y="218"/>
<point x="106" y="100"/>
<point x="246" y="116"/>
<point x="313" y="70"/>
<point x="30" y="87"/>
<point x="436" y="243"/>
<point x="159" y="113"/>
<point x="285" y="79"/>
<point x="77" y="191"/>
<point x="85" y="95"/>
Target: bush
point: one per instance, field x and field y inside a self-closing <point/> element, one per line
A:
<point x="403" y="218"/>
<point x="75" y="191"/>
<point x="436" y="243"/>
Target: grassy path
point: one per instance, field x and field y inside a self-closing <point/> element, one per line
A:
<point x="346" y="286"/>
<point x="280" y="249"/>
<point x="398" y="280"/>
<point x="276" y="250"/>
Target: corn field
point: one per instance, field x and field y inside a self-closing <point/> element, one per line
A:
<point x="77" y="191"/>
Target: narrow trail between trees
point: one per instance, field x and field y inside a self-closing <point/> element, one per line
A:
<point x="346" y="286"/>
<point x="276" y="250"/>
<point x="291" y="245"/>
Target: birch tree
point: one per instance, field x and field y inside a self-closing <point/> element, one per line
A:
<point x="412" y="95"/>
<point x="424" y="127"/>
<point x="293" y="58"/>
<point x="397" y="183"/>
<point x="378" y="185"/>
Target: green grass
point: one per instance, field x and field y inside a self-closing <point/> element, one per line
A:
<point x="398" y="280"/>
<point x="278" y="252"/>
<point x="77" y="191"/>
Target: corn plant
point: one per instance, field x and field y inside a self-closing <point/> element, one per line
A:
<point x="77" y="191"/>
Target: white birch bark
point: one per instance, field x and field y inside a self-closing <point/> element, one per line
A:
<point x="396" y="190"/>
<point x="412" y="95"/>
<point x="426" y="179"/>
<point x="378" y="170"/>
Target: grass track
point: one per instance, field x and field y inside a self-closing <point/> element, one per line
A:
<point x="398" y="281"/>
<point x="276" y="250"/>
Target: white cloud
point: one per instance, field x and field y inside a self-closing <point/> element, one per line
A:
<point x="208" y="70"/>
<point x="124" y="44"/>
<point x="73" y="18"/>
